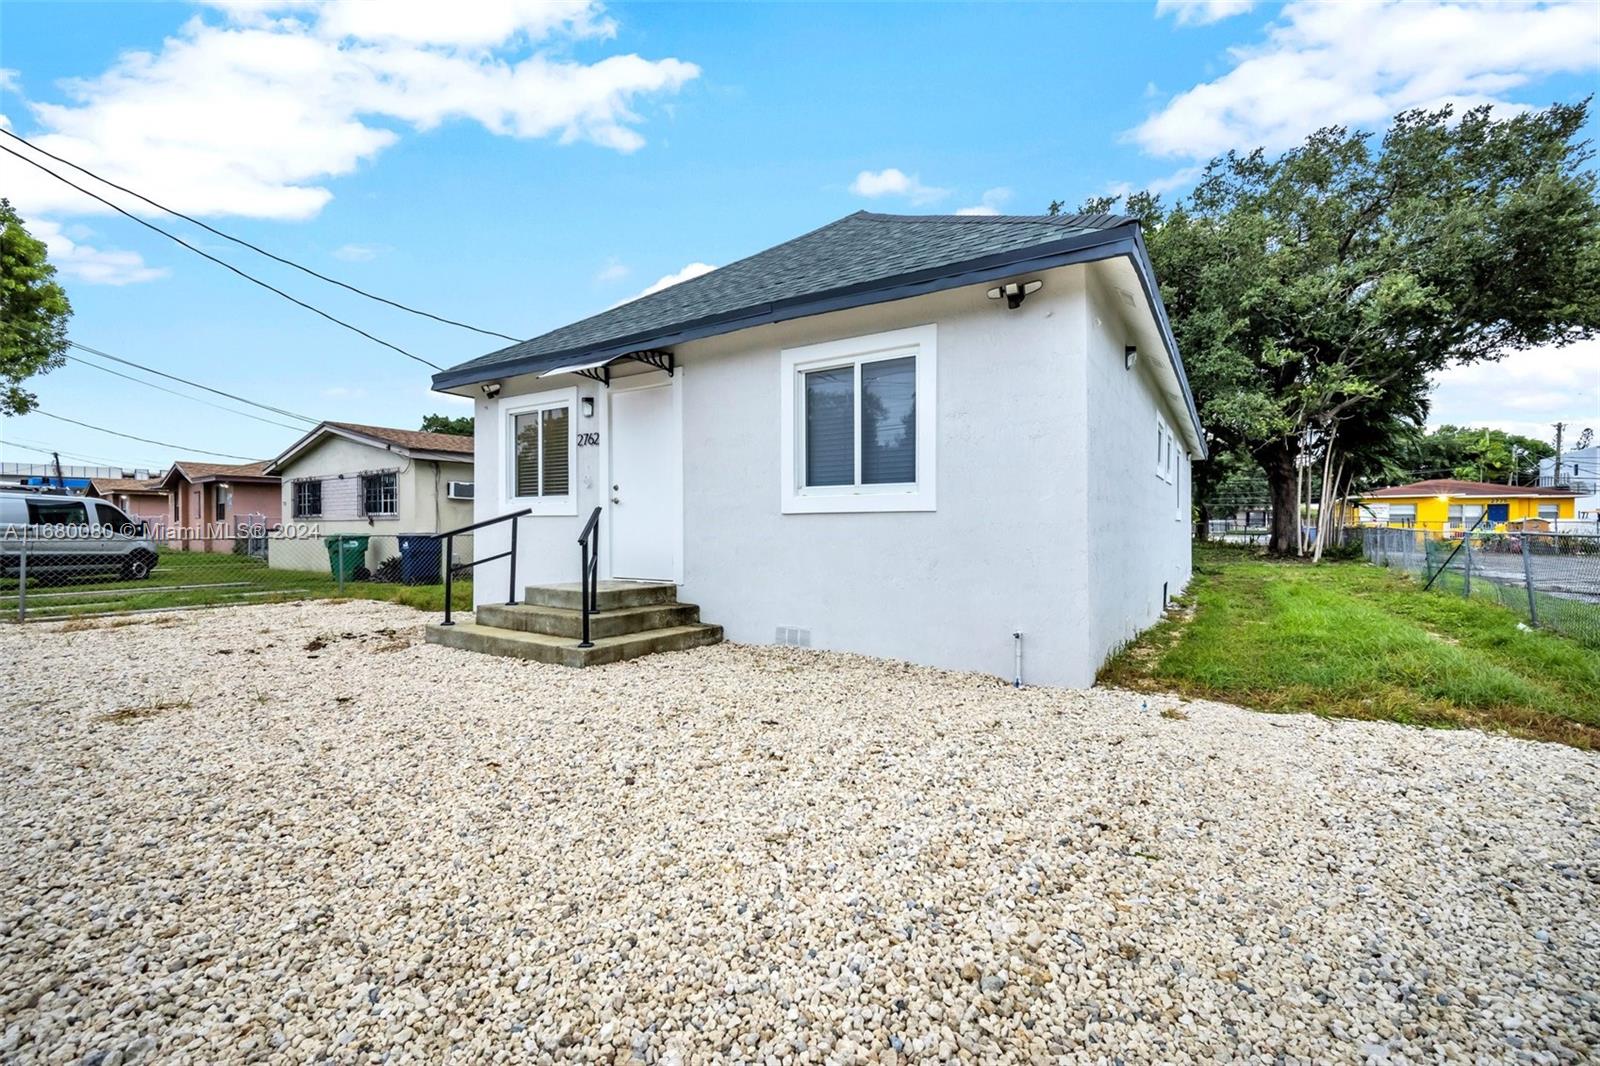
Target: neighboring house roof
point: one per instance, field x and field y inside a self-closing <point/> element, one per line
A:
<point x="198" y="472"/>
<point x="411" y="443"/>
<point x="102" y="486"/>
<point x="1454" y="487"/>
<point x="861" y="259"/>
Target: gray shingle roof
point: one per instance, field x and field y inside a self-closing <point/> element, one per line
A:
<point x="859" y="254"/>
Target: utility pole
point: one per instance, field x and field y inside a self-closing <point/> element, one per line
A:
<point x="61" y="481"/>
<point x="1560" y="427"/>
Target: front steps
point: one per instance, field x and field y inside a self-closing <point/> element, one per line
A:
<point x="634" y="618"/>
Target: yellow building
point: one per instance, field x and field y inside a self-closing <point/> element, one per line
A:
<point x="1446" y="505"/>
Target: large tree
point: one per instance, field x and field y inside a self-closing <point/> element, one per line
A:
<point x="455" y="425"/>
<point x="1314" y="294"/>
<point x="33" y="313"/>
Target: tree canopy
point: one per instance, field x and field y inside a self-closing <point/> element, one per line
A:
<point x="1314" y="294"/>
<point x="456" y="425"/>
<point x="33" y="313"/>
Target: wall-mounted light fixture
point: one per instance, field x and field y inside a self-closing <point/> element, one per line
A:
<point x="1014" y="292"/>
<point x="492" y="389"/>
<point x="588" y="406"/>
<point x="1130" y="356"/>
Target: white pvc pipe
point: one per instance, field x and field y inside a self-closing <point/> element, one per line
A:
<point x="1017" y="640"/>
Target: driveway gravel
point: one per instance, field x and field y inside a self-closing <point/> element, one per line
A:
<point x="297" y="833"/>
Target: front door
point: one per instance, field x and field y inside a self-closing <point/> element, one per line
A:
<point x="644" y="480"/>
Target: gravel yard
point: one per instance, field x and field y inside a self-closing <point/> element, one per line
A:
<point x="297" y="832"/>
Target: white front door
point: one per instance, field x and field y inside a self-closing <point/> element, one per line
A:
<point x="644" y="482"/>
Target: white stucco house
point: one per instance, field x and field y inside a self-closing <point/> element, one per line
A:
<point x="343" y="477"/>
<point x="906" y="436"/>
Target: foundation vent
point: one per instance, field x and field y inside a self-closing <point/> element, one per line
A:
<point x="794" y="637"/>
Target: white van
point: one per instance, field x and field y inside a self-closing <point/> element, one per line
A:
<point x="72" y="535"/>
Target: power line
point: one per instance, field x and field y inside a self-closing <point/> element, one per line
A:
<point x="220" y="262"/>
<point x="255" y="248"/>
<point x="186" y="381"/>
<point x="174" y="392"/>
<point x="146" y="440"/>
<point x="82" y="457"/>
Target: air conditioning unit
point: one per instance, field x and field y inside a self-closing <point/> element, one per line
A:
<point x="458" y="490"/>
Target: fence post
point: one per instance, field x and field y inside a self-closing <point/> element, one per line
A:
<point x="22" y="580"/>
<point x="1466" y="584"/>
<point x="1527" y="577"/>
<point x="338" y="553"/>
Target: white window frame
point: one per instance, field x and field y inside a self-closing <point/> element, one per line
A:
<point x="1164" y="450"/>
<point x="797" y="498"/>
<point x="564" y="506"/>
<point x="1539" y="512"/>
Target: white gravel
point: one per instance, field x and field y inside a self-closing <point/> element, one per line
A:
<point x="220" y="846"/>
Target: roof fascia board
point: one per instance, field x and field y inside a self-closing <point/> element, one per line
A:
<point x="314" y="436"/>
<point x="1125" y="239"/>
<point x="1152" y="295"/>
<point x="1079" y="248"/>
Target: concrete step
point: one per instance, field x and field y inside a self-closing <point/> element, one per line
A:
<point x="564" y="651"/>
<point x="568" y="621"/>
<point x="612" y="594"/>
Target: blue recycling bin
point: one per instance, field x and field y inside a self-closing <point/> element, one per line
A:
<point x="419" y="560"/>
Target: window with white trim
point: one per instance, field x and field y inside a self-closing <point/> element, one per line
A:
<point x="1403" y="514"/>
<point x="1549" y="512"/>
<point x="858" y="423"/>
<point x="1166" y="457"/>
<point x="542" y="459"/>
<point x="1465" y="515"/>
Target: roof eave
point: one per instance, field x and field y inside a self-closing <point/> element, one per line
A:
<point x="880" y="290"/>
<point x="1124" y="239"/>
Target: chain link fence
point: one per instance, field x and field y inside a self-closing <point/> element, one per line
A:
<point x="62" y="572"/>
<point x="1551" y="579"/>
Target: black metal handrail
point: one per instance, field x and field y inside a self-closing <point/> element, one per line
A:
<point x="589" y="571"/>
<point x="450" y="567"/>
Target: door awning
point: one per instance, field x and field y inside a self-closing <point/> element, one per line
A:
<point x="600" y="369"/>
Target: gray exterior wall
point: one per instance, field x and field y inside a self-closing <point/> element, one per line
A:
<point x="1032" y="427"/>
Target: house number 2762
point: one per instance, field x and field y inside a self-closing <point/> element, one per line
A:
<point x="588" y="439"/>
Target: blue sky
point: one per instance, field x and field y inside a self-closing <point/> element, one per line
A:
<point x="518" y="165"/>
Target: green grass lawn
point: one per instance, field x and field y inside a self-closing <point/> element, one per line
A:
<point x="1348" y="639"/>
<point x="196" y="579"/>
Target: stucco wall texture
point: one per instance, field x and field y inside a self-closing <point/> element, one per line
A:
<point x="1050" y="521"/>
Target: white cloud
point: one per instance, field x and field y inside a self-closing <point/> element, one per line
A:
<point x="1201" y="12"/>
<point x="1359" y="64"/>
<point x="357" y="253"/>
<point x="97" y="266"/>
<point x="252" y="114"/>
<point x="1526" y="392"/>
<point x="693" y="270"/>
<point x="989" y="203"/>
<point x="613" y="270"/>
<point x="896" y="182"/>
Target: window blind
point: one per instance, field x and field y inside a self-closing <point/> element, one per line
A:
<point x="553" y="430"/>
<point x="889" y="422"/>
<point x="830" y="426"/>
<point x="526" y="430"/>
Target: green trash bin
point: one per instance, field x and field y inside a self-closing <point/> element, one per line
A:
<point x="346" y="554"/>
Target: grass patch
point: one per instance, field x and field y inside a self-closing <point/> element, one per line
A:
<point x="1357" y="641"/>
<point x="199" y="579"/>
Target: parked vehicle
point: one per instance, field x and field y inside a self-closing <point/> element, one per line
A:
<point x="67" y="535"/>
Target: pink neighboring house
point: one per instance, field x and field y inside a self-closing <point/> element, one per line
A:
<point x="139" y="499"/>
<point x="207" y="502"/>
